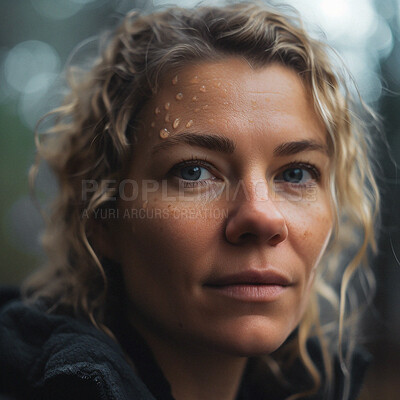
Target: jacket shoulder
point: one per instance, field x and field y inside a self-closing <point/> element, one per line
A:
<point x="50" y="356"/>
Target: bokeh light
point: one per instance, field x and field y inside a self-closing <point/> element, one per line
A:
<point x="26" y="61"/>
<point x="34" y="102"/>
<point x="30" y="69"/>
<point x="59" y="9"/>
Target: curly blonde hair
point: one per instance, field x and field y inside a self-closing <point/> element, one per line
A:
<point x="92" y="137"/>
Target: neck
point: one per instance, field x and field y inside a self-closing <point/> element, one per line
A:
<point x="196" y="373"/>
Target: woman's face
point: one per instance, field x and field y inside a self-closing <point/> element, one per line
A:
<point x="225" y="211"/>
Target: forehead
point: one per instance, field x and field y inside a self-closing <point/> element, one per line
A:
<point x="230" y="97"/>
<point x="228" y="82"/>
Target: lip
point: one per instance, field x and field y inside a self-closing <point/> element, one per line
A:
<point x="251" y="276"/>
<point x="251" y="285"/>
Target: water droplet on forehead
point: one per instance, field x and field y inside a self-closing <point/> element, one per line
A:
<point x="167" y="105"/>
<point x="176" y="123"/>
<point x="157" y="110"/>
<point x="211" y="120"/>
<point x="164" y="133"/>
<point x="196" y="109"/>
<point x="205" y="107"/>
<point x="179" y="96"/>
<point x="195" y="79"/>
<point x="175" y="80"/>
<point x="153" y="124"/>
<point x="189" y="124"/>
<point x="203" y="89"/>
<point x="166" y="119"/>
<point x="195" y="98"/>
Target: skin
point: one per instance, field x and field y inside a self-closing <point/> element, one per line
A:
<point x="202" y="339"/>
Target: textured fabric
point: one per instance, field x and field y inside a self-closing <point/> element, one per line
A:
<point x="45" y="356"/>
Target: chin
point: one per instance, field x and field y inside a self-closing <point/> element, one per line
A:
<point x="253" y="339"/>
<point x="252" y="348"/>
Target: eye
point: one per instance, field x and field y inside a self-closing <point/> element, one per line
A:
<point x="298" y="173"/>
<point x="194" y="173"/>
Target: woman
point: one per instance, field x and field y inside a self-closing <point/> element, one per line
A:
<point x="211" y="174"/>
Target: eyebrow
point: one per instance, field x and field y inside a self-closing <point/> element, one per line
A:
<point x="225" y="145"/>
<point x="214" y="142"/>
<point x="290" y="148"/>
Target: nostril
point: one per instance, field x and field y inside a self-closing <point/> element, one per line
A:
<point x="273" y="241"/>
<point x="276" y="239"/>
<point x="247" y="236"/>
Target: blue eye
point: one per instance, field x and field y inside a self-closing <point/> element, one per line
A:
<point x="295" y="175"/>
<point x="193" y="172"/>
<point x="298" y="174"/>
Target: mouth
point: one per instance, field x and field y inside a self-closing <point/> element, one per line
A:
<point x="250" y="285"/>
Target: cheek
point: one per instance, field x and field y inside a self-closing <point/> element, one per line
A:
<point x="172" y="233"/>
<point x="164" y="255"/>
<point x="310" y="230"/>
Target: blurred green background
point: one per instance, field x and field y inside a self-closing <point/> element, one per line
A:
<point x="36" y="39"/>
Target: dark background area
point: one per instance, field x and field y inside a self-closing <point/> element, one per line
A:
<point x="36" y="39"/>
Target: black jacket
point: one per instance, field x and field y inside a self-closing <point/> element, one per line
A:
<point x="45" y="356"/>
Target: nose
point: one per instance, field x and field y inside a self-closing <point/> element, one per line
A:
<point x="256" y="220"/>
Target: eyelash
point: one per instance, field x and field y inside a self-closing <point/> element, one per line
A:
<point x="195" y="161"/>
